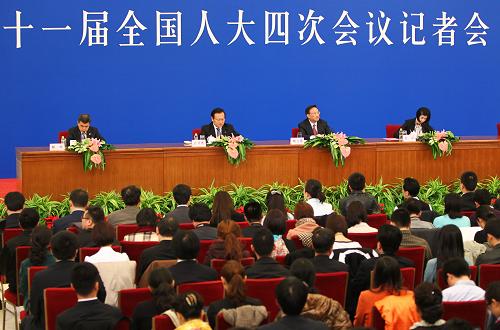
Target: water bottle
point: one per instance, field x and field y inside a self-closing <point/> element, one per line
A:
<point x="63" y="141"/>
<point x="195" y="137"/>
<point x="299" y="134"/>
<point x="400" y="134"/>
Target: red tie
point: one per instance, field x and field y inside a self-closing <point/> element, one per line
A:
<point x="315" y="131"/>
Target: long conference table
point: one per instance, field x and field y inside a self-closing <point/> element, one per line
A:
<point x="158" y="167"/>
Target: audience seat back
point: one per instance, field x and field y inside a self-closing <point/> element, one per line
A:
<point x="186" y="226"/>
<point x="377" y="220"/>
<point x="163" y="322"/>
<point x="367" y="240"/>
<point x="488" y="274"/>
<point x="31" y="274"/>
<point x="417" y="255"/>
<point x="56" y="301"/>
<point x="9" y="233"/>
<point x="204" y="245"/>
<point x="290" y="224"/>
<point x="210" y="290"/>
<point x="122" y="230"/>
<point x="134" y="249"/>
<point x="333" y="285"/>
<point x="473" y="312"/>
<point x="264" y="290"/>
<point x="128" y="299"/>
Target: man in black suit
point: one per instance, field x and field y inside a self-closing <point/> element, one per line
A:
<point x="218" y="127"/>
<point x="322" y="240"/>
<point x="411" y="188"/>
<point x="89" y="313"/>
<point x="78" y="200"/>
<point x="313" y="125"/>
<point x="468" y="184"/>
<point x="91" y="217"/>
<point x="182" y="195"/>
<point x="186" y="246"/>
<point x="200" y="214"/>
<point x="265" y="266"/>
<point x="253" y="213"/>
<point x="165" y="229"/>
<point x="64" y="248"/>
<point x="14" y="201"/>
<point x="83" y="130"/>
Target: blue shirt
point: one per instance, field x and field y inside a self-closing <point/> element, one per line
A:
<point x="445" y="220"/>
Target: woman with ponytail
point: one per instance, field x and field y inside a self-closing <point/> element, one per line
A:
<point x="233" y="278"/>
<point x="39" y="256"/>
<point x="227" y="246"/>
<point x="314" y="196"/>
<point x="429" y="301"/>
<point x="162" y="286"/>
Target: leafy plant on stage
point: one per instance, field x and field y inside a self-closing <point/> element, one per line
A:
<point x="433" y="192"/>
<point x="440" y="142"/>
<point x="235" y="147"/>
<point x="45" y="207"/>
<point x="92" y="153"/>
<point x="241" y="195"/>
<point x="455" y="187"/>
<point x="206" y="195"/>
<point x="108" y="201"/>
<point x="64" y="208"/>
<point x="337" y="143"/>
<point x="387" y="196"/>
<point x="155" y="202"/>
<point x="491" y="184"/>
<point x="334" y="194"/>
<point x="291" y="195"/>
<point x="3" y="209"/>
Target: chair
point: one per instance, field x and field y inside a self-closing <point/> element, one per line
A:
<point x="377" y="321"/>
<point x="210" y="290"/>
<point x="61" y="134"/>
<point x="408" y="276"/>
<point x="122" y="230"/>
<point x="9" y="233"/>
<point x="196" y="131"/>
<point x="186" y="226"/>
<point x="333" y="285"/>
<point x="72" y="229"/>
<point x="204" y="245"/>
<point x="468" y="214"/>
<point x="417" y="255"/>
<point x="217" y="264"/>
<point x="280" y="260"/>
<point x="473" y="312"/>
<point x="263" y="289"/>
<point x="134" y="249"/>
<point x="162" y="322"/>
<point x="128" y="299"/>
<point x="377" y="220"/>
<point x="290" y="224"/>
<point x="295" y="132"/>
<point x="390" y="130"/>
<point x="367" y="240"/>
<point x="442" y="283"/>
<point x="56" y="301"/>
<point x="247" y="241"/>
<point x="243" y="224"/>
<point x="32" y="272"/>
<point x="90" y="251"/>
<point x="298" y="242"/>
<point x="488" y="274"/>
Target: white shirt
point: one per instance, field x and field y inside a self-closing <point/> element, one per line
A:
<point x="346" y="245"/>
<point x="463" y="290"/>
<point x="320" y="208"/>
<point x="362" y="227"/>
<point x="215" y="130"/>
<point x="107" y="254"/>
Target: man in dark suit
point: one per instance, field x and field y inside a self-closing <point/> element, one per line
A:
<point x="265" y="266"/>
<point x="64" y="247"/>
<point x="186" y="246"/>
<point x="253" y="213"/>
<point x="322" y="240"/>
<point x="200" y="214"/>
<point x="218" y="127"/>
<point x="468" y="184"/>
<point x="492" y="256"/>
<point x="78" y="200"/>
<point x="182" y="195"/>
<point x="165" y="229"/>
<point x="83" y="130"/>
<point x="89" y="313"/>
<point x="14" y="201"/>
<point x="131" y="196"/>
<point x="313" y="125"/>
<point x="411" y="188"/>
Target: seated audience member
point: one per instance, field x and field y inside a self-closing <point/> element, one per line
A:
<point x="322" y="241"/>
<point x="357" y="184"/>
<point x="313" y="194"/>
<point x="64" y="248"/>
<point x="482" y="197"/>
<point x="227" y="245"/>
<point x="182" y="196"/>
<point x="305" y="224"/>
<point x="189" y="309"/>
<point x="453" y="215"/>
<point x="450" y="245"/>
<point x="388" y="294"/>
<point x="337" y="224"/>
<point x="457" y="324"/>
<point x="165" y="229"/>
<point x="275" y="221"/>
<point x="89" y="312"/>
<point x="292" y="295"/>
<point x="456" y="273"/>
<point x="253" y="213"/>
<point x="429" y="301"/>
<point x="401" y="219"/>
<point x="483" y="215"/>
<point x="39" y="256"/>
<point x="411" y="188"/>
<point x="186" y="246"/>
<point x="91" y="217"/>
<point x="265" y="266"/>
<point x="28" y="219"/>
<point x="276" y="201"/>
<point x="146" y="220"/>
<point x="103" y="235"/>
<point x="14" y="202"/>
<point x="357" y="218"/>
<point x="78" y="200"/>
<point x="223" y="209"/>
<point x="318" y="306"/>
<point x="131" y="196"/>
<point x="468" y="183"/>
<point x="200" y="214"/>
<point x="413" y="207"/>
<point x="233" y="278"/>
<point x="162" y="286"/>
<point x="492" y="256"/>
<point x="492" y="297"/>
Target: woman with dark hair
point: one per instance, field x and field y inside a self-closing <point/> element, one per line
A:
<point x="428" y="299"/>
<point x="356" y="218"/>
<point x="419" y="124"/>
<point x="314" y="196"/>
<point x="337" y="224"/>
<point x="450" y="245"/>
<point x="223" y="209"/>
<point x="453" y="216"/>
<point x="276" y="201"/>
<point x="189" y="309"/>
<point x="318" y="306"/>
<point x="305" y="224"/>
<point x="162" y="286"/>
<point x="484" y="213"/>
<point x="276" y="223"/>
<point x="39" y="256"/>
<point x="233" y="278"/>
<point x="387" y="294"/>
<point x="103" y="235"/>
<point x="227" y="245"/>
<point x="146" y="220"/>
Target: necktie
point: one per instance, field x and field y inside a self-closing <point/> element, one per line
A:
<point x="218" y="132"/>
<point x="84" y="135"/>
<point x="315" y="131"/>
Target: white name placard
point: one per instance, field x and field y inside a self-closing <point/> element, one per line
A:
<point x="297" y="141"/>
<point x="409" y="138"/>
<point x="198" y="143"/>
<point x="57" y="147"/>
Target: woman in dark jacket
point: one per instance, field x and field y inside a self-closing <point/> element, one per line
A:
<point x="419" y="124"/>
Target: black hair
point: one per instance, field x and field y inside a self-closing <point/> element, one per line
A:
<point x="14" y="201"/>
<point x="216" y="111"/>
<point x="457" y="324"/>
<point x="485" y="212"/>
<point x="28" y="219"/>
<point x="401" y="217"/>
<point x="162" y="287"/>
<point x="189" y="304"/>
<point x="492" y="292"/>
<point x="79" y="197"/>
<point x="186" y="244"/>
<point x="455" y="266"/>
<point x="428" y="299"/>
<point x="167" y="227"/>
<point x="40" y="240"/>
<point x="313" y="187"/>
<point x="356" y="181"/>
<point x="387" y="274"/>
<point x="263" y="242"/>
<point x="452" y="204"/>
<point x="303" y="210"/>
<point x="64" y="245"/>
<point x="146" y="217"/>
<point x="275" y="221"/>
<point x="322" y="240"/>
<point x="182" y="193"/>
<point x="84" y="118"/>
<point x="425" y="112"/>
<point x="84" y="276"/>
<point x="275" y="200"/>
<point x="309" y="107"/>
<point x="469" y="180"/>
<point x="496" y="205"/>
<point x="96" y="214"/>
<point x="450" y="243"/>
<point x="304" y="270"/>
<point x="291" y="294"/>
<point x="199" y="212"/>
<point x="412" y="186"/>
<point x="253" y="211"/>
<point x="336" y="223"/>
<point x="482" y="197"/>
<point x="131" y="195"/>
<point x="103" y="234"/>
<point x="356" y="213"/>
<point x="413" y="206"/>
<point x="390" y="239"/>
<point x="492" y="227"/>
